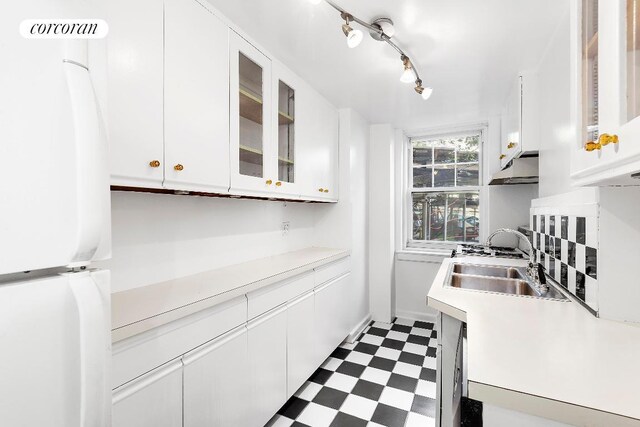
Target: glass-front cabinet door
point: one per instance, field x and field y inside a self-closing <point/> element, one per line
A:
<point x="251" y="150"/>
<point x="287" y="89"/>
<point x="609" y="92"/>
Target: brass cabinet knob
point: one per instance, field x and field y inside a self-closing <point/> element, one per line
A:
<point x="178" y="167"/>
<point x="326" y="191"/>
<point x="269" y="182"/>
<point x="154" y="163"/>
<point x="502" y="156"/>
<point x="511" y="145"/>
<point x="592" y="146"/>
<point x="606" y="139"/>
<point x="278" y="184"/>
<point x="321" y="190"/>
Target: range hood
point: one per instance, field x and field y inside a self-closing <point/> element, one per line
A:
<point x="523" y="170"/>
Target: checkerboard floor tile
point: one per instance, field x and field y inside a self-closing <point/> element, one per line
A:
<point x="386" y="378"/>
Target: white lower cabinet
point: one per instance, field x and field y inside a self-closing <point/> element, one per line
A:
<point x="216" y="380"/>
<point x="152" y="400"/>
<point x="267" y="365"/>
<point x="301" y="342"/>
<point x="225" y="371"/>
<point x="331" y="316"/>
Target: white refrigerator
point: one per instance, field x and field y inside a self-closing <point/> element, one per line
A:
<point x="55" y="345"/>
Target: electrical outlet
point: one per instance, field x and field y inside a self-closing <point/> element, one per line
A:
<point x="285" y="228"/>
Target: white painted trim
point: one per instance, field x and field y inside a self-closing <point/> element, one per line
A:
<point x="355" y="332"/>
<point x="433" y="257"/>
<point x="447" y="129"/>
<point x="417" y="315"/>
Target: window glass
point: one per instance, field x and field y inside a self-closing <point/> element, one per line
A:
<point x="590" y="70"/>
<point x="633" y="59"/>
<point x="441" y="211"/>
<point x="446" y="216"/>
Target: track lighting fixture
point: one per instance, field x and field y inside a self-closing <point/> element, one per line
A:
<point x="354" y="37"/>
<point x="382" y="30"/>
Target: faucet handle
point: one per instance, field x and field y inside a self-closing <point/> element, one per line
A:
<point x="541" y="277"/>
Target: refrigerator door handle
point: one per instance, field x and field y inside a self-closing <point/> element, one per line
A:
<point x="92" y="174"/>
<point x="93" y="349"/>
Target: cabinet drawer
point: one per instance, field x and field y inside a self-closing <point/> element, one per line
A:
<point x="329" y="272"/>
<point x="277" y="294"/>
<point x="153" y="400"/>
<point x="141" y="353"/>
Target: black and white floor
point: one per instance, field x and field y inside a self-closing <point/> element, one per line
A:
<point x="386" y="378"/>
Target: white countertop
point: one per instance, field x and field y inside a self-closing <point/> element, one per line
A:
<point x="141" y="309"/>
<point x="549" y="358"/>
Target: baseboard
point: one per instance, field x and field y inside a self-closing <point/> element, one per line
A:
<point x="416" y="315"/>
<point x="355" y="332"/>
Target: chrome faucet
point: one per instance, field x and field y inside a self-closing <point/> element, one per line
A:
<point x="534" y="269"/>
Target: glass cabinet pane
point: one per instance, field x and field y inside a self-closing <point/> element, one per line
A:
<point x="251" y="118"/>
<point x="633" y="59"/>
<point x="589" y="70"/>
<point x="286" y="132"/>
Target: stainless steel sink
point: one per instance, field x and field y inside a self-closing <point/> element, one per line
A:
<point x="493" y="284"/>
<point x="490" y="271"/>
<point x="498" y="279"/>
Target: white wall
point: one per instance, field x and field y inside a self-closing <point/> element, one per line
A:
<point x="345" y="224"/>
<point x="381" y="222"/>
<point x="556" y="130"/>
<point x="158" y="237"/>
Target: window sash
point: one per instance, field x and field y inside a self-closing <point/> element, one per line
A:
<point x="438" y="245"/>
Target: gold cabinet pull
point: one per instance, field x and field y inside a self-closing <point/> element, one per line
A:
<point x="178" y="167"/>
<point x="154" y="163"/>
<point x="278" y="184"/>
<point x="269" y="182"/>
<point x="606" y="139"/>
<point x="502" y="156"/>
<point x="511" y="145"/>
<point x="326" y="190"/>
<point x="321" y="190"/>
<point x="592" y="146"/>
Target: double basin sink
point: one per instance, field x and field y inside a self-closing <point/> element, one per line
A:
<point x="498" y="279"/>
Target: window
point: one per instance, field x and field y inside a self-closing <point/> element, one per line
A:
<point x="445" y="184"/>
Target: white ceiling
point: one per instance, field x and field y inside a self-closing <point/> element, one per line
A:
<point x="469" y="51"/>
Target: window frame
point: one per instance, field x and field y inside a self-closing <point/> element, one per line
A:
<point x="407" y="217"/>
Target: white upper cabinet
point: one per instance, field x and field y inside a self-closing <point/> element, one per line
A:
<point x="252" y="152"/>
<point x="196" y="97"/>
<point x="195" y="107"/>
<point x="520" y="120"/>
<point x="317" y="146"/>
<point x="606" y="76"/>
<point x="134" y="91"/>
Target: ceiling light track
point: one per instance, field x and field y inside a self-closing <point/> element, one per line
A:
<point x="376" y="29"/>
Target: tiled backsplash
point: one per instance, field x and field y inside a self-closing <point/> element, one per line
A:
<point x="567" y="247"/>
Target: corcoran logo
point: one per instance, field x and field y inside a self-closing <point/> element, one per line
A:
<point x="64" y="28"/>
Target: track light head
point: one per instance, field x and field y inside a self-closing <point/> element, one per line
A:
<point x="408" y="75"/>
<point x="354" y="37"/>
<point x="424" y="92"/>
